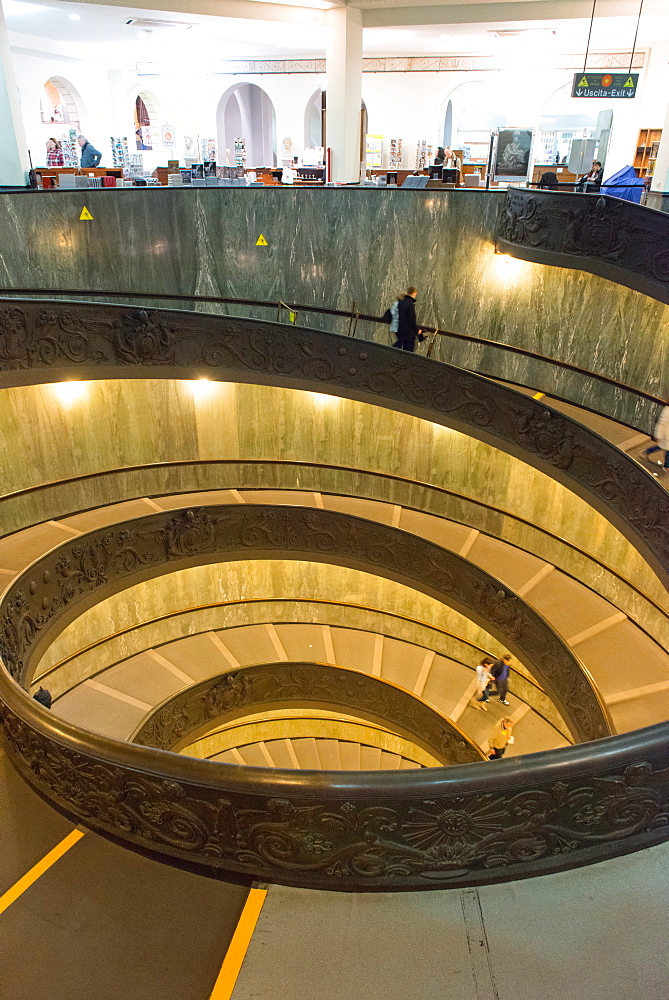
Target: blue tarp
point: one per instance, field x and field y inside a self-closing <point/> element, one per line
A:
<point x="628" y="186"/>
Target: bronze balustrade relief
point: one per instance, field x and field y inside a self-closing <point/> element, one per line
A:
<point x="200" y="708"/>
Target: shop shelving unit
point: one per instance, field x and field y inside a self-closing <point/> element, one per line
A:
<point x="646" y="151"/>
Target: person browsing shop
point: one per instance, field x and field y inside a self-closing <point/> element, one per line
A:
<point x="90" y="156"/>
<point x="54" y="154"/>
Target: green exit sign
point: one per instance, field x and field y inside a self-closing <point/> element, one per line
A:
<point x="604" y="84"/>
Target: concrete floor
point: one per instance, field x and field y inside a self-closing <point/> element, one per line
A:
<point x="596" y="933"/>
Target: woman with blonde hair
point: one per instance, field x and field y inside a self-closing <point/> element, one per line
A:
<point x="502" y="735"/>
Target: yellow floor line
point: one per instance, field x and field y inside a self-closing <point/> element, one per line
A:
<point x="37" y="870"/>
<point x="241" y="939"/>
<point x="538" y="395"/>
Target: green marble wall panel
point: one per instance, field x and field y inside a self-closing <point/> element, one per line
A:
<point x="136" y="421"/>
<point x="332" y="246"/>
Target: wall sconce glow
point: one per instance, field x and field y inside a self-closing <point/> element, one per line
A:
<point x="200" y="387"/>
<point x="68" y="393"/>
<point x="322" y="399"/>
<point x="507" y="268"/>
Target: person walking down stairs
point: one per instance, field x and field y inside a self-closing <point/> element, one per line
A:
<point x="502" y="736"/>
<point x="484" y="680"/>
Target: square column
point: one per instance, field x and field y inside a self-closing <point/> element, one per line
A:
<point x="14" y="163"/>
<point x="343" y="67"/>
<point x="660" y="180"/>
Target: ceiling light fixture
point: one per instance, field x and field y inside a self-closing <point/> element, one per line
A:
<point x="311" y="4"/>
<point x="151" y="23"/>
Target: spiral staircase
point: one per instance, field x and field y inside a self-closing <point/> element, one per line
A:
<point x="255" y="564"/>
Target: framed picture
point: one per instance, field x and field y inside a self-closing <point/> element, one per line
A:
<point x="512" y="158"/>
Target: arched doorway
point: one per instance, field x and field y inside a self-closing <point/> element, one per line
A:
<point x="146" y="120"/>
<point x="564" y="119"/>
<point x="60" y="104"/>
<point x="468" y="115"/>
<point x="245" y="112"/>
<point x="62" y="114"/>
<point x="313" y="121"/>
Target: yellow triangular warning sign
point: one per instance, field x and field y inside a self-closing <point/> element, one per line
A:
<point x="630" y="82"/>
<point x="583" y="82"/>
<point x="85" y="215"/>
<point x="261" y="241"/>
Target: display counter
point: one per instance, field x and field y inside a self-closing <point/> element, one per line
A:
<point x="561" y="171"/>
<point x="43" y="172"/>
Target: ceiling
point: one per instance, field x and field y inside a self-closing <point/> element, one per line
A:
<point x="90" y="30"/>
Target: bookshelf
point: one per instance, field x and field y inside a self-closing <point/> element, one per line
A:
<point x="646" y="151"/>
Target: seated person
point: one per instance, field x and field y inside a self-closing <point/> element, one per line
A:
<point x="440" y="157"/>
<point x="593" y="180"/>
<point x="549" y="181"/>
<point x="451" y="160"/>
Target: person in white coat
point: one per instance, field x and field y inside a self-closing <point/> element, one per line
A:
<point x="483" y="679"/>
<point x="661" y="437"/>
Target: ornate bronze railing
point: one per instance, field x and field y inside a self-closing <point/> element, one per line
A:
<point x="457" y="826"/>
<point x="428" y="829"/>
<point x="82" y="572"/>
<point x="216" y="701"/>
<point x="615" y="239"/>
<point x="41" y="341"/>
<point x="363" y="325"/>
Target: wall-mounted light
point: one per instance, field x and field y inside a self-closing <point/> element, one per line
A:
<point x="200" y="388"/>
<point x="322" y="399"/>
<point x="67" y="393"/>
<point x="508" y="269"/>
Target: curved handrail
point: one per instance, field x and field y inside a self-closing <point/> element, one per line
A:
<point x="461" y="826"/>
<point x="376" y="831"/>
<point x="102" y="341"/>
<point x="189" y="714"/>
<point x="185" y="463"/>
<point x="607" y="236"/>
<point x="353" y="316"/>
<point x="81" y="572"/>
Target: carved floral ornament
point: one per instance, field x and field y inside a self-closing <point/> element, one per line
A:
<point x="69" y="339"/>
<point x="194" y="711"/>
<point x="601" y="234"/>
<point x="390" y="832"/>
<point x="83" y="571"/>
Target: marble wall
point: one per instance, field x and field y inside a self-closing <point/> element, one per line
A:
<point x="331" y="247"/>
<point x="131" y="422"/>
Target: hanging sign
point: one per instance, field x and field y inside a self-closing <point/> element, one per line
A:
<point x="604" y="84"/>
<point x="167" y="135"/>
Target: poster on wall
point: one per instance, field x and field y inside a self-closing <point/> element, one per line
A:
<point x="512" y="157"/>
<point x="143" y="137"/>
<point x="167" y="135"/>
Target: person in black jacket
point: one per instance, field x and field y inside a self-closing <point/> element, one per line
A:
<point x="43" y="697"/>
<point x="591" y="183"/>
<point x="407" y="327"/>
